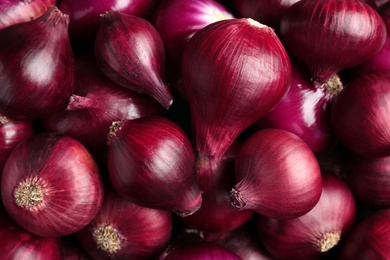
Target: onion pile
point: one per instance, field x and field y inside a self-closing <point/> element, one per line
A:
<point x="203" y="129"/>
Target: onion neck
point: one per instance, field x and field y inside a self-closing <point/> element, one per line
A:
<point x="328" y="241"/>
<point x="107" y="239"/>
<point x="114" y="128"/>
<point x="29" y="193"/>
<point x="333" y="86"/>
<point x="236" y="199"/>
<point x="79" y="102"/>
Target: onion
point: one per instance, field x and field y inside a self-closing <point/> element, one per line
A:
<point x="37" y="67"/>
<point x="84" y="17"/>
<point x="234" y="72"/>
<point x="130" y="52"/>
<point x="277" y="175"/>
<point x="151" y="162"/>
<point x="268" y="12"/>
<point x="192" y="247"/>
<point x="17" y="243"/>
<point x="360" y="115"/>
<point x="369" y="239"/>
<point x="216" y="177"/>
<point x="369" y="180"/>
<point x="328" y="35"/>
<point x="51" y="185"/>
<point x="305" y="110"/>
<point x="95" y="104"/>
<point x="124" y="230"/>
<point x="12" y="132"/>
<point x="316" y="232"/>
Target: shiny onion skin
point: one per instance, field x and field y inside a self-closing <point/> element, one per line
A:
<point x="369" y="180"/>
<point x="305" y="110"/>
<point x="314" y="234"/>
<point x="17" y="11"/>
<point x="38" y="67"/>
<point x="12" y="132"/>
<point x="369" y="239"/>
<point x="151" y="162"/>
<point x="124" y="230"/>
<point x="277" y="175"/>
<point x="234" y="72"/>
<point x="360" y="115"/>
<point x="84" y="17"/>
<point x="95" y="104"/>
<point x="18" y="244"/>
<point x="176" y="30"/>
<point x="267" y="12"/>
<point x="216" y="177"/>
<point x="328" y="35"/>
<point x="51" y="185"/>
<point x="130" y="52"/>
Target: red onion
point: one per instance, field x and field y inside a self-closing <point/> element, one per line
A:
<point x="268" y="12"/>
<point x="369" y="239"/>
<point x="190" y="246"/>
<point x="39" y="67"/>
<point x="328" y="35"/>
<point x="17" y="243"/>
<point x="360" y="115"/>
<point x="369" y="180"/>
<point x="305" y="110"/>
<point x="216" y="177"/>
<point x="151" y="162"/>
<point x="277" y="175"/>
<point x="95" y="104"/>
<point x="234" y="72"/>
<point x="131" y="53"/>
<point x="176" y="30"/>
<point x="12" y="132"/>
<point x="17" y="11"/>
<point x="316" y="232"/>
<point x="84" y="17"/>
<point x="124" y="230"/>
<point x="51" y="185"/>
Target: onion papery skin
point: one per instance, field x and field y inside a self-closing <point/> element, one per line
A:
<point x="304" y="111"/>
<point x="130" y="51"/>
<point x="17" y="11"/>
<point x="328" y="35"/>
<point x="18" y="244"/>
<point x="51" y="185"/>
<point x="277" y="175"/>
<point x="135" y="232"/>
<point x="84" y="17"/>
<point x="216" y="177"/>
<point x="12" y="132"/>
<point x="312" y="235"/>
<point x="95" y="104"/>
<point x="245" y="71"/>
<point x="360" y="115"/>
<point x="369" y="180"/>
<point x="267" y="12"/>
<point x="151" y="162"/>
<point x="369" y="239"/>
<point x="37" y="67"/>
<point x="176" y="30"/>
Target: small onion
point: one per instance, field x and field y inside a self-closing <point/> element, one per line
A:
<point x="151" y="162"/>
<point x="360" y="115"/>
<point x="124" y="230"/>
<point x="328" y="35"/>
<point x="234" y="72"/>
<point x="51" y="185"/>
<point x="277" y="175"/>
<point x="17" y="243"/>
<point x="36" y="67"/>
<point x="369" y="239"/>
<point x="316" y="232"/>
<point x="130" y="52"/>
